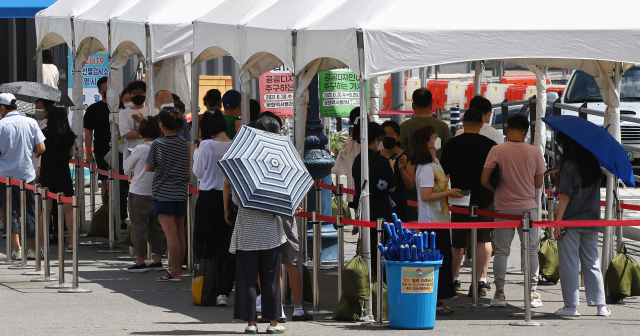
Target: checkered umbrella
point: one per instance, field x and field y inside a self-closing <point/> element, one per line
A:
<point x="266" y="172"/>
<point x="28" y="92"/>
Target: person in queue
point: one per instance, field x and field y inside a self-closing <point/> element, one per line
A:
<point x="55" y="174"/>
<point x="463" y="159"/>
<point x="521" y="168"/>
<point x="422" y="106"/>
<point x="144" y="224"/>
<point x="21" y="138"/>
<point x="212" y="100"/>
<point x="97" y="133"/>
<point x="579" y="188"/>
<point x="41" y="114"/>
<point x="129" y="118"/>
<point x="484" y="105"/>
<point x="433" y="207"/>
<point x="382" y="183"/>
<point x="169" y="159"/>
<point x="164" y="99"/>
<point x="232" y="102"/>
<point x="348" y="153"/>
<point x="50" y="73"/>
<point x="257" y="240"/>
<point x="212" y="234"/>
<point x="403" y="169"/>
<point x="254" y="111"/>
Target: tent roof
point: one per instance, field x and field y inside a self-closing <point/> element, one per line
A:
<point x="401" y="35"/>
<point x="170" y="24"/>
<point x="270" y="31"/>
<point x="94" y="21"/>
<point x="24" y="9"/>
<point x="216" y="33"/>
<point x="53" y="24"/>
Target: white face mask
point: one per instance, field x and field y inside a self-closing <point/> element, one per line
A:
<point x="380" y="146"/>
<point x="437" y="144"/>
<point x="128" y="105"/>
<point x="39" y="114"/>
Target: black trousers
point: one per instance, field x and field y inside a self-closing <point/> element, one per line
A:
<point x="250" y="264"/>
<point x="212" y="234"/>
<point x="227" y="275"/>
<point x="124" y="192"/>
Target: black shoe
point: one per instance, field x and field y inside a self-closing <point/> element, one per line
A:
<point x="280" y="320"/>
<point x="123" y="226"/>
<point x="304" y="317"/>
<point x="483" y="286"/>
<point x="156" y="267"/>
<point x="138" y="268"/>
<point x="457" y="286"/>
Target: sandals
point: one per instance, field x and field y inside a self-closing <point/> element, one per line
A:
<point x="168" y="278"/>
<point x="444" y="310"/>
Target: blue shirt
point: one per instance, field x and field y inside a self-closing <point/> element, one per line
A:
<point x="18" y="136"/>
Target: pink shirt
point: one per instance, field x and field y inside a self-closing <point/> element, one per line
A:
<point x="519" y="164"/>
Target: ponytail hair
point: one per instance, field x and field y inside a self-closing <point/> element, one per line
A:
<point x="170" y="118"/>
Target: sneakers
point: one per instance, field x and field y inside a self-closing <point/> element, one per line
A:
<point x="138" y="268"/>
<point x="221" y="300"/>
<point x="457" y="286"/>
<point x="481" y="292"/>
<point x="603" y="311"/>
<point x="536" y="302"/>
<point x="304" y="317"/>
<point x="275" y="330"/>
<point x="251" y="330"/>
<point x="483" y="286"/>
<point x="16" y="255"/>
<point x="68" y="250"/>
<point x="566" y="312"/>
<point x="156" y="267"/>
<point x="31" y="254"/>
<point x="499" y="300"/>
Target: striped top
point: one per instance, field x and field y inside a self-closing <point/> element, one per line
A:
<point x="170" y="156"/>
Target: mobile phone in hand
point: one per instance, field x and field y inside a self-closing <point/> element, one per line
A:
<point x="393" y="156"/>
<point x="464" y="192"/>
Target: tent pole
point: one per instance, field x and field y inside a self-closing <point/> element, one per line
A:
<point x="477" y="81"/>
<point x="151" y="93"/>
<point x="77" y="118"/>
<point x="39" y="64"/>
<point x="364" y="156"/>
<point x="423" y="77"/>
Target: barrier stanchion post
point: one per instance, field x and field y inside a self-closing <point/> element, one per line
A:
<point x="132" y="255"/>
<point x="380" y="240"/>
<point x="319" y="212"/>
<point x="112" y="216"/>
<point x="23" y="228"/>
<point x="8" y="222"/>
<point x="93" y="189"/>
<point x="340" y="227"/>
<point x="526" y="224"/>
<point x="303" y="233"/>
<point x="619" y="236"/>
<point x="38" y="235"/>
<point x="76" y="223"/>
<point x="61" y="219"/>
<point x="317" y="253"/>
<point x="190" y="217"/>
<point x="45" y="223"/>
<point x="473" y="213"/>
<point x="149" y="257"/>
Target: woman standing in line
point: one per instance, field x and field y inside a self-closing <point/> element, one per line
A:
<point x="144" y="225"/>
<point x="54" y="164"/>
<point x="169" y="159"/>
<point x="579" y="188"/>
<point x="405" y="172"/>
<point x="433" y="207"/>
<point x="212" y="234"/>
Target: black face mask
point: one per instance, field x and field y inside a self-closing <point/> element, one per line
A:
<point x="389" y="143"/>
<point x="138" y="100"/>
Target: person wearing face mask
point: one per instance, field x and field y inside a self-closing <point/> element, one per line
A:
<point x="403" y="169"/>
<point x="382" y="182"/>
<point x="97" y="133"/>
<point x="129" y="118"/>
<point x="351" y="148"/>
<point x="41" y="114"/>
<point x="433" y="207"/>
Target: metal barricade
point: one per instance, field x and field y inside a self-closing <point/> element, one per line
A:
<point x="38" y="221"/>
<point x="340" y="228"/>
<point x="61" y="222"/>
<point x="379" y="298"/>
<point x="473" y="213"/>
<point x="317" y="252"/>
<point x="23" y="229"/>
<point x="8" y="222"/>
<point x="112" y="217"/>
<point x="93" y="189"/>
<point x="189" y="223"/>
<point x="45" y="223"/>
<point x="76" y="225"/>
<point x="132" y="252"/>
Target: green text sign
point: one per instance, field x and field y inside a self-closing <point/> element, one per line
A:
<point x="339" y="92"/>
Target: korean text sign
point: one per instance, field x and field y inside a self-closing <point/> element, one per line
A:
<point x="276" y="92"/>
<point x="96" y="67"/>
<point x="339" y="92"/>
<point x="417" y="280"/>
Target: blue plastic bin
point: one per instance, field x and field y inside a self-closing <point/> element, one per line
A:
<point x="412" y="293"/>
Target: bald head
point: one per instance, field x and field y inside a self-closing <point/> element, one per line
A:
<point x="163" y="97"/>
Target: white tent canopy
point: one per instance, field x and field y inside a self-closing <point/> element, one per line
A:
<point x="53" y="24"/>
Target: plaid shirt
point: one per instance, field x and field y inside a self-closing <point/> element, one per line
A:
<point x="256" y="230"/>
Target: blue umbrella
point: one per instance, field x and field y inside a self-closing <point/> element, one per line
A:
<point x="598" y="141"/>
<point x="266" y="172"/>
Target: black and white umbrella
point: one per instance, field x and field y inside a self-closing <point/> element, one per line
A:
<point x="266" y="172"/>
<point x="27" y="93"/>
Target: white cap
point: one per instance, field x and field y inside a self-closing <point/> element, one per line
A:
<point x="6" y="98"/>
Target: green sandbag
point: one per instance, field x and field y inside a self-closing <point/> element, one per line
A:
<point x="548" y="258"/>
<point x="355" y="280"/>
<point x="374" y="302"/>
<point x="127" y="239"/>
<point x="619" y="279"/>
<point x="345" y="210"/>
<point x="347" y="311"/>
<point x="100" y="222"/>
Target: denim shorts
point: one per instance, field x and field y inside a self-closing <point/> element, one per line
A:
<point x="171" y="208"/>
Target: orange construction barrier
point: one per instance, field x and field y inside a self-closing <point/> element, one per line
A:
<point x="558" y="89"/>
<point x="470" y="95"/>
<point x="516" y="92"/>
<point x="528" y="81"/>
<point x="438" y="90"/>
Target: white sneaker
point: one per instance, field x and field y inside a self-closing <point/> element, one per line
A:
<point x="16" y="255"/>
<point x="221" y="300"/>
<point x="604" y="312"/>
<point x="536" y="302"/>
<point x="499" y="300"/>
<point x="563" y="312"/>
<point x="31" y="254"/>
<point x="251" y="330"/>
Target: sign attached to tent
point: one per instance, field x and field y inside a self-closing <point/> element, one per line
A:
<point x="276" y="92"/>
<point x="339" y="92"/>
<point x="96" y="67"/>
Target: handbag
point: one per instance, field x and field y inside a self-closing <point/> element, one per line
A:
<point x="204" y="286"/>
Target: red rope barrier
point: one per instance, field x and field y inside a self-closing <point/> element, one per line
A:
<point x="498" y="215"/>
<point x="462" y="225"/>
<point x="462" y="211"/>
<point x="327" y="219"/>
<point x="630" y="207"/>
<point x="358" y="223"/>
<point x="3" y="180"/>
<point x="583" y="223"/>
<point x="52" y="195"/>
<point x="100" y="171"/>
<point x="304" y="215"/>
<point x="120" y="177"/>
<point x="412" y="204"/>
<point x="15" y="182"/>
<point x="328" y="186"/>
<point x="29" y="186"/>
<point x="84" y="164"/>
<point x="66" y="199"/>
<point x="194" y="191"/>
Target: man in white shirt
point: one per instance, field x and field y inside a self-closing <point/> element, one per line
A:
<point x="127" y="123"/>
<point x="484" y="105"/>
